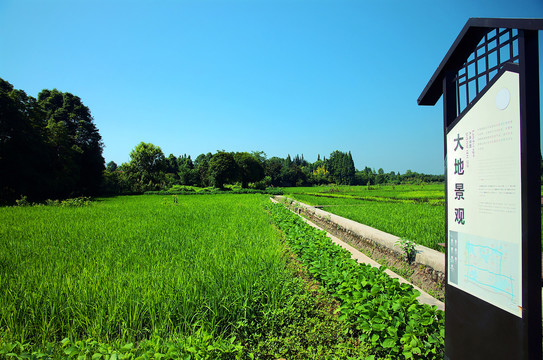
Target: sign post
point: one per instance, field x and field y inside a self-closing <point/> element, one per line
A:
<point x="489" y="80"/>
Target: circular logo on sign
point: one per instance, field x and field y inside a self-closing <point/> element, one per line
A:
<point x="502" y="99"/>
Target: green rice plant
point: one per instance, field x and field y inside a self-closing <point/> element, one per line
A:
<point x="431" y="191"/>
<point x="430" y="194"/>
<point x="423" y="224"/>
<point x="324" y="200"/>
<point x="130" y="268"/>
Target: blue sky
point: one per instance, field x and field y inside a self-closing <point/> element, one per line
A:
<point x="284" y="77"/>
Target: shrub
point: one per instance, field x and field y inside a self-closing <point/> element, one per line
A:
<point x="23" y="201"/>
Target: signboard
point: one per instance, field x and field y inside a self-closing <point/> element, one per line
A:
<point x="484" y="198"/>
<point x="489" y="80"/>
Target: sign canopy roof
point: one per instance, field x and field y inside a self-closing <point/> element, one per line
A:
<point x="466" y="42"/>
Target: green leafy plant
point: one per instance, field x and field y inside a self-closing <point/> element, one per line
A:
<point x="76" y="202"/>
<point x="73" y="202"/>
<point x="408" y="248"/>
<point x="50" y="202"/>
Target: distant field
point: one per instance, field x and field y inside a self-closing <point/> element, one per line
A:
<point x="414" y="212"/>
<point x="432" y="194"/>
<point x="418" y="222"/>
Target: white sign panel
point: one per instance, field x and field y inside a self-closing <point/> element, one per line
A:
<point x="484" y="198"/>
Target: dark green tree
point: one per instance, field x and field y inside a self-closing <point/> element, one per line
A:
<point x="75" y="144"/>
<point x="49" y="147"/>
<point x="293" y="175"/>
<point x="113" y="180"/>
<point x="171" y="164"/>
<point x="351" y="170"/>
<point x="341" y="167"/>
<point x="260" y="155"/>
<point x="147" y="167"/>
<point x="23" y="151"/>
<point x="223" y="168"/>
<point x="201" y="164"/>
<point x="288" y="160"/>
<point x="111" y="166"/>
<point x="172" y="176"/>
<point x="273" y="168"/>
<point x="188" y="175"/>
<point x="250" y="169"/>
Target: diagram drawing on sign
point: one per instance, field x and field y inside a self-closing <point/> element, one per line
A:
<point x="484" y="268"/>
<point x="487" y="268"/>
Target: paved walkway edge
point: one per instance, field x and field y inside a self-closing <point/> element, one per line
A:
<point x="424" y="297"/>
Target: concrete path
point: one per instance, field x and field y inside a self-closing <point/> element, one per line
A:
<point x="425" y="256"/>
<point x="424" y="297"/>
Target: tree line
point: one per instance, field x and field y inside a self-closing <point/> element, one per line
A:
<point x="150" y="170"/>
<point x="50" y="148"/>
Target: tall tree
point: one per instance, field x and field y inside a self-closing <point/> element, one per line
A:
<point x="75" y="143"/>
<point x="111" y="166"/>
<point x="223" y="168"/>
<point x="250" y="169"/>
<point x="23" y="153"/>
<point x="273" y="169"/>
<point x="319" y="175"/>
<point x="351" y="170"/>
<point x="260" y="155"/>
<point x="188" y="175"/>
<point x="147" y="167"/>
<point x="172" y="166"/>
<point x="341" y="167"/>
<point x="201" y="163"/>
<point x="292" y="175"/>
<point x="49" y="147"/>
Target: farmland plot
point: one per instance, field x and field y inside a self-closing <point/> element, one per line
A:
<point x="160" y="277"/>
<point x="195" y="277"/>
<point x="129" y="268"/>
<point x="379" y="310"/>
<point x="431" y="194"/>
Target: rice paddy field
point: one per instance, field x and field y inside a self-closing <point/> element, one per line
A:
<point x="433" y="194"/>
<point x="127" y="268"/>
<point x="194" y="277"/>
